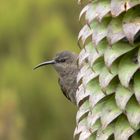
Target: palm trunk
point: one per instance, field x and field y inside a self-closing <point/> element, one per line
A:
<point x="109" y="92"/>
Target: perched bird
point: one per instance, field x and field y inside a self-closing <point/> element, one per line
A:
<point x="65" y="63"/>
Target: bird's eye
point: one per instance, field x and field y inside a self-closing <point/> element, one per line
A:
<point x="62" y="60"/>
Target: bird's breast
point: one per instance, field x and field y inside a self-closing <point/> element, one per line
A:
<point x="69" y="83"/>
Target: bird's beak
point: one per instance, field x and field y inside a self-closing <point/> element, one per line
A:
<point x="45" y="63"/>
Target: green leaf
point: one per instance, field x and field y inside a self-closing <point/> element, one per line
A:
<point x="131" y="27"/>
<point x="85" y="135"/>
<point x="122" y="96"/>
<point x="95" y="114"/>
<point x="100" y="31"/>
<point x="137" y="86"/>
<point x="92" y="72"/>
<point x="93" y="25"/>
<point x="92" y="137"/>
<point x="91" y="12"/>
<point x="84" y="33"/>
<point x="98" y="65"/>
<point x="111" y="88"/>
<point x="83" y="109"/>
<point x="127" y="68"/>
<point x="132" y="3"/>
<point x="133" y="113"/>
<point x="110" y="112"/>
<point x="80" y="94"/>
<point x="122" y="129"/>
<point x="115" y="30"/>
<point x="136" y="136"/>
<point x="106" y="76"/>
<point x="105" y="134"/>
<point x="117" y="7"/>
<point x="82" y="72"/>
<point x="95" y="53"/>
<point x="82" y="56"/>
<point x="95" y="92"/>
<point x="89" y="75"/>
<point x="80" y="127"/>
<point x="89" y="131"/>
<point x="102" y="9"/>
<point x="95" y="126"/>
<point x="114" y="52"/>
<point x="138" y="57"/>
<point x="96" y="9"/>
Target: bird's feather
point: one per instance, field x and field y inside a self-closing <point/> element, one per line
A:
<point x="64" y="90"/>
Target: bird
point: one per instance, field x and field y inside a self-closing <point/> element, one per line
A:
<point x="65" y="64"/>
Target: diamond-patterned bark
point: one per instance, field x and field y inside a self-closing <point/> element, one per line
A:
<point x="109" y="80"/>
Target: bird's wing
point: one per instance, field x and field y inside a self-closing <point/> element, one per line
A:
<point x="63" y="89"/>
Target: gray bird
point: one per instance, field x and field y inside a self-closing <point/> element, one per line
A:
<point x="65" y="63"/>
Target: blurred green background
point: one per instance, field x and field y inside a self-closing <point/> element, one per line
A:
<point x="32" y="106"/>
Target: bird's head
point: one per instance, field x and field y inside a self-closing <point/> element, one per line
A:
<point x="61" y="62"/>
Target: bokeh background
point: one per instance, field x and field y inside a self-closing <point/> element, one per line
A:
<point x="32" y="106"/>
